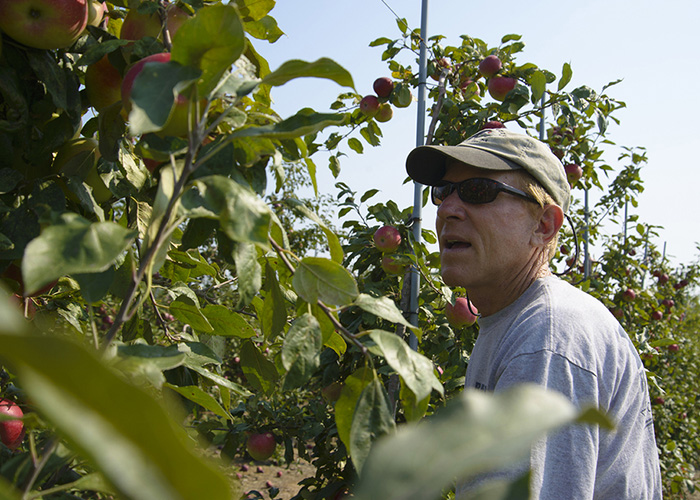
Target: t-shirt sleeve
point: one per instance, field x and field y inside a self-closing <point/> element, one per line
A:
<point x="564" y="462"/>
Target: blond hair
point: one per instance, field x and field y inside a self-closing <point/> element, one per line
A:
<point x="530" y="185"/>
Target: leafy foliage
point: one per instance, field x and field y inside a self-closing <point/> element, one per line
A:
<point x="177" y="294"/>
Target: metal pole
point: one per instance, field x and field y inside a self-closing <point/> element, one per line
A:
<point x="418" y="188"/>
<point x="586" y="253"/>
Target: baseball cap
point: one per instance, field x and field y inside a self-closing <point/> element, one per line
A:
<point x="494" y="149"/>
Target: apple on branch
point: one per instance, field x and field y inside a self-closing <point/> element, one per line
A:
<point x="462" y="313"/>
<point x="392" y="265"/>
<point x="383" y="86"/>
<point x="387" y="239"/>
<point x="261" y="446"/>
<point x="490" y="65"/>
<point x="573" y="173"/>
<point x="44" y="24"/>
<point x="385" y="112"/>
<point x="369" y="105"/>
<point x="138" y="25"/>
<point x="499" y="87"/>
<point x="103" y="84"/>
<point x="11" y="431"/>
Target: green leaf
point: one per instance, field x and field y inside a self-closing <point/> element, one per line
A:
<point x="258" y="370"/>
<point x="382" y="307"/>
<point x="211" y="41"/>
<point x="153" y="94"/>
<point x="474" y="433"/>
<point x="121" y="428"/>
<point x="334" y="245"/>
<point x="148" y="361"/>
<point x="417" y="371"/>
<point x="413" y="408"/>
<point x="77" y="246"/>
<point x="322" y="68"/>
<point x="372" y="418"/>
<point x="254" y="10"/>
<point x="301" y="351"/>
<point x="566" y="74"/>
<point x="242" y="215"/>
<point x="538" y="84"/>
<point x="322" y="279"/>
<point x="227" y="323"/>
<point x="222" y="382"/>
<point x="94" y="286"/>
<point x="345" y="406"/>
<point x="274" y="313"/>
<point x="355" y="144"/>
<point x="264" y="29"/>
<point x="248" y="270"/>
<point x="305" y="122"/>
<point x="203" y="399"/>
<point x="186" y="310"/>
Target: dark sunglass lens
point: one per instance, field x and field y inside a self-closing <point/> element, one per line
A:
<point x="439" y="193"/>
<point x="478" y="191"/>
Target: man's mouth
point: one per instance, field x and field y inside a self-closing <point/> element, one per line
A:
<point x="456" y="244"/>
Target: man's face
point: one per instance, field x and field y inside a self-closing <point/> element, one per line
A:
<point x="485" y="246"/>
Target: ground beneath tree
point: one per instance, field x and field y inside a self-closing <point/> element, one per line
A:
<point x="259" y="476"/>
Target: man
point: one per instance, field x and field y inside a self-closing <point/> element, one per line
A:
<point x="501" y="200"/>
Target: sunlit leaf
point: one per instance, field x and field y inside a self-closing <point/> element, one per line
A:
<point x="211" y="41"/>
<point x="383" y="307"/>
<point x="301" y="351"/>
<point x="322" y="68"/>
<point x="120" y="427"/>
<point x="322" y="279"/>
<point x="78" y="246"/>
<point x="417" y="371"/>
<point x="476" y="432"/>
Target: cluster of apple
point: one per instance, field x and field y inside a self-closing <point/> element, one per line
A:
<point x="497" y="85"/>
<point x="378" y="105"/>
<point x="562" y="137"/>
<point x="387" y="240"/>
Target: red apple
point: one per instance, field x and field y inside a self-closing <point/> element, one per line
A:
<point x="490" y="65"/>
<point x="674" y="348"/>
<point x="261" y="446"/>
<point x="383" y="86"/>
<point x="462" y="313"/>
<point x="44" y="24"/>
<point x="617" y="312"/>
<point x="499" y="87"/>
<point x="573" y="173"/>
<point x="629" y="295"/>
<point x="493" y="124"/>
<point x="659" y="401"/>
<point x="11" y="431"/>
<point x="387" y="239"/>
<point x="385" y="113"/>
<point x="369" y="105"/>
<point x="668" y="303"/>
<point x="138" y="25"/>
<point x="663" y="279"/>
<point x="657" y="315"/>
<point x="103" y="84"/>
<point x="564" y="249"/>
<point x="392" y="265"/>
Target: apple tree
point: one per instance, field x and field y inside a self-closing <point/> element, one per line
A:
<point x="161" y="309"/>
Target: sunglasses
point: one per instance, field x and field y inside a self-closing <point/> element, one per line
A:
<point x="476" y="191"/>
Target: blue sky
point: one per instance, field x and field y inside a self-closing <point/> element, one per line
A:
<point x="649" y="44"/>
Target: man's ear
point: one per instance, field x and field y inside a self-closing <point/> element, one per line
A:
<point x="551" y="220"/>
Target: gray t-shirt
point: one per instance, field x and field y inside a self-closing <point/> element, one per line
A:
<point x="559" y="337"/>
